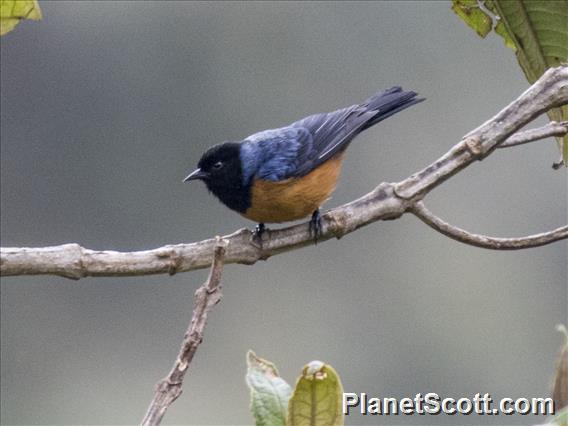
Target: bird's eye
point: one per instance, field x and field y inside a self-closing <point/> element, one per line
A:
<point x="218" y="165"/>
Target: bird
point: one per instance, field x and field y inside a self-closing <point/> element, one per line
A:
<point x="285" y="174"/>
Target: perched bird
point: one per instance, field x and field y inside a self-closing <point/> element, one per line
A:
<point x="286" y="174"/>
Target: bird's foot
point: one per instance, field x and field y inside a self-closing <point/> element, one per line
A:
<point x="257" y="234"/>
<point x="316" y="226"/>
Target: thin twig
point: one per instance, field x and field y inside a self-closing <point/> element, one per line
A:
<point x="386" y="201"/>
<point x="430" y="219"/>
<point x="553" y="128"/>
<point x="206" y="296"/>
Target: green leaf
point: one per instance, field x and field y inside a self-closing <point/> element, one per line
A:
<point x="537" y="31"/>
<point x="561" y="419"/>
<point x="473" y="16"/>
<point x="269" y="393"/>
<point x="501" y="29"/>
<point x="13" y="11"/>
<point x="560" y="387"/>
<point x="317" y="398"/>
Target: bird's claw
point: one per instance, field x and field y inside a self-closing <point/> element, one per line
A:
<point x="257" y="234"/>
<point x="316" y="226"/>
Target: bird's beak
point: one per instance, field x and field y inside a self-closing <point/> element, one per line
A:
<point x="196" y="175"/>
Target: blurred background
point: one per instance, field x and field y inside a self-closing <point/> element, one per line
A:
<point x="106" y="106"/>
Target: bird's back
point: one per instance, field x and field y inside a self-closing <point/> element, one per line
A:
<point x="298" y="149"/>
<point x="292" y="171"/>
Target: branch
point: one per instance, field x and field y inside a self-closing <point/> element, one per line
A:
<point x="458" y="234"/>
<point x="557" y="164"/>
<point x="206" y="296"/>
<point x="386" y="201"/>
<point x="553" y="128"/>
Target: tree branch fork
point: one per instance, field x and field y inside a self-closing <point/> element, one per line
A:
<point x="386" y="201"/>
<point x="206" y="297"/>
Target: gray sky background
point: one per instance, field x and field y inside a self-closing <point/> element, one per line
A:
<point x="105" y="107"/>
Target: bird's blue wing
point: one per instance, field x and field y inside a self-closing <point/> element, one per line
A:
<point x="299" y="148"/>
<point x="275" y="154"/>
<point x="332" y="132"/>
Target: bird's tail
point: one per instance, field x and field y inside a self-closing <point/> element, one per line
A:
<point x="332" y="132"/>
<point x="388" y="103"/>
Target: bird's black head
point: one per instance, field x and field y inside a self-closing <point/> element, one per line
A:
<point x="221" y="170"/>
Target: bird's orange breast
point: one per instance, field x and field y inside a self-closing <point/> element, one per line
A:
<point x="293" y="198"/>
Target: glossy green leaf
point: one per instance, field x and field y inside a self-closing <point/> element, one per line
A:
<point x="537" y="30"/>
<point x="502" y="31"/>
<point x="268" y="391"/>
<point x="317" y="398"/>
<point x="499" y="27"/>
<point x="13" y="11"/>
<point x="473" y="16"/>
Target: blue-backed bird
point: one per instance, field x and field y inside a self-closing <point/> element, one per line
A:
<point x="286" y="174"/>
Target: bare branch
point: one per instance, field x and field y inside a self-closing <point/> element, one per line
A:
<point x="73" y="261"/>
<point x="553" y="128"/>
<point x="458" y="234"/>
<point x="206" y="296"/>
<point x="549" y="91"/>
<point x="386" y="201"/>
